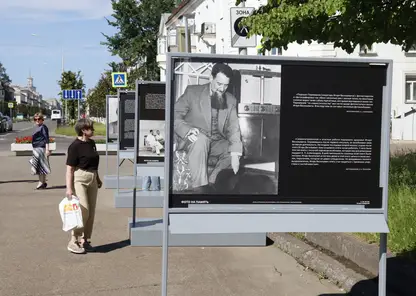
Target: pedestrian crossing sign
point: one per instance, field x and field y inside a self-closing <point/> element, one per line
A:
<point x="119" y="79"/>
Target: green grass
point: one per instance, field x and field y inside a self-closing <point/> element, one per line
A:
<point x="402" y="205"/>
<point x="402" y="221"/>
<point x="70" y="130"/>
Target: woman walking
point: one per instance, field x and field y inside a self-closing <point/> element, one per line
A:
<point x="40" y="156"/>
<point x="83" y="181"/>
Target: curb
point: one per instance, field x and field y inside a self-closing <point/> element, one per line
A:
<point x="73" y="137"/>
<point x="319" y="262"/>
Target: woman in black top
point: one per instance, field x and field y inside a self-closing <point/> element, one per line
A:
<point x="41" y="152"/>
<point x="83" y="181"/>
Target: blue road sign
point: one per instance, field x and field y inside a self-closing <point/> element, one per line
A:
<point x="119" y="79"/>
<point x="72" y="94"/>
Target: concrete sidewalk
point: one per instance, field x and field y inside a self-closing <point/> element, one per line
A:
<point x="34" y="259"/>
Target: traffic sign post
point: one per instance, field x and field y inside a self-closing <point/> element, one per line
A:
<point x="239" y="33"/>
<point x="119" y="79"/>
<point x="11" y="105"/>
<point x="72" y="94"/>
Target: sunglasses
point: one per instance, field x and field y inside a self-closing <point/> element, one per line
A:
<point x="37" y="119"/>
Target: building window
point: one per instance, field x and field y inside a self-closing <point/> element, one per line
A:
<point x="410" y="89"/>
<point x="412" y="49"/>
<point x="366" y="50"/>
<point x="276" y="51"/>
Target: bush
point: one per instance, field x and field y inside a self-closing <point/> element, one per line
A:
<point x="403" y="170"/>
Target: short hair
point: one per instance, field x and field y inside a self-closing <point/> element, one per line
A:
<point x="39" y="115"/>
<point x="151" y="131"/>
<point x="83" y="124"/>
<point x="222" y="68"/>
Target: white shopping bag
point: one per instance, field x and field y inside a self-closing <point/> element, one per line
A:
<point x="71" y="214"/>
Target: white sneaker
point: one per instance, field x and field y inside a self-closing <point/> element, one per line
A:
<point x="75" y="248"/>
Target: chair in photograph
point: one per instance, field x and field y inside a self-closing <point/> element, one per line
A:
<point x="182" y="179"/>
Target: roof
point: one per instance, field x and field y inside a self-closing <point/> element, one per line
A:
<point x="163" y="19"/>
<point x="178" y="8"/>
<point x="185" y="7"/>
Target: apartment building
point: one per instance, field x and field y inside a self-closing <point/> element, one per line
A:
<point x="203" y="26"/>
<point x="27" y="94"/>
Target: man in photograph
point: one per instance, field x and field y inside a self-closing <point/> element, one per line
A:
<point x="153" y="143"/>
<point x="159" y="138"/>
<point x="206" y="126"/>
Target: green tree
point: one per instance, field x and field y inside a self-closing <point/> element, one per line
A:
<point x="71" y="80"/>
<point x="4" y="77"/>
<point x="136" y="40"/>
<point x="346" y="23"/>
<point x="96" y="97"/>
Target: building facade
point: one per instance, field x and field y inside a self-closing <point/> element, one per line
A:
<point x="203" y="26"/>
<point x="27" y="94"/>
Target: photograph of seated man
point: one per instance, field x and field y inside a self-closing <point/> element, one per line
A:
<point x="207" y="128"/>
<point x="159" y="138"/>
<point x="153" y="143"/>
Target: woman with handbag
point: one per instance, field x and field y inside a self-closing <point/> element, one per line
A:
<point x="41" y="152"/>
<point x="83" y="181"/>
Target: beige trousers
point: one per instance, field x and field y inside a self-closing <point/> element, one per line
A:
<point x="86" y="189"/>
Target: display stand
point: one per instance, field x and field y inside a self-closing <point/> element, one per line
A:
<point x="116" y="181"/>
<point x="148" y="232"/>
<point x="220" y="219"/>
<point x="108" y="144"/>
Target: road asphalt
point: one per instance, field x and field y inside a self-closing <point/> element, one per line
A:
<point x="22" y="129"/>
<point x="35" y="261"/>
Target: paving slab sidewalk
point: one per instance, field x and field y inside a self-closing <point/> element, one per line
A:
<point x="34" y="259"/>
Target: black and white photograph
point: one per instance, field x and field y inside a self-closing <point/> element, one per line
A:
<point x="151" y="124"/>
<point x="152" y="139"/>
<point x="225" y="128"/>
<point x="112" y="118"/>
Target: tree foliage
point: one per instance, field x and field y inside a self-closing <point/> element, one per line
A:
<point x="4" y="77"/>
<point x="96" y="97"/>
<point x="71" y="80"/>
<point x="135" y="42"/>
<point x="346" y="23"/>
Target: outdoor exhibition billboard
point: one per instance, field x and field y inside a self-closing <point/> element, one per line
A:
<point x="250" y="131"/>
<point x="112" y="118"/>
<point x="126" y="110"/>
<point x="151" y="123"/>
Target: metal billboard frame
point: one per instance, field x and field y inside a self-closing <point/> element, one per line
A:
<point x="136" y="144"/>
<point x="119" y="91"/>
<point x="107" y="122"/>
<point x="341" y="218"/>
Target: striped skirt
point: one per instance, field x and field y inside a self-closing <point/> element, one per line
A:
<point x="40" y="162"/>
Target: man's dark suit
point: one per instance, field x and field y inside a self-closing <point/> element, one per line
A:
<point x="193" y="110"/>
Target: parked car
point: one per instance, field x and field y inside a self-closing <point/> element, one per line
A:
<point x="3" y="123"/>
<point x="9" y="123"/>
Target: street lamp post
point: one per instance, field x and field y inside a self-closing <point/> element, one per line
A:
<point x="62" y="71"/>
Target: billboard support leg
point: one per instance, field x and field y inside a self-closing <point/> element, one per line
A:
<point x="382" y="265"/>
<point x="118" y="144"/>
<point x="135" y="151"/>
